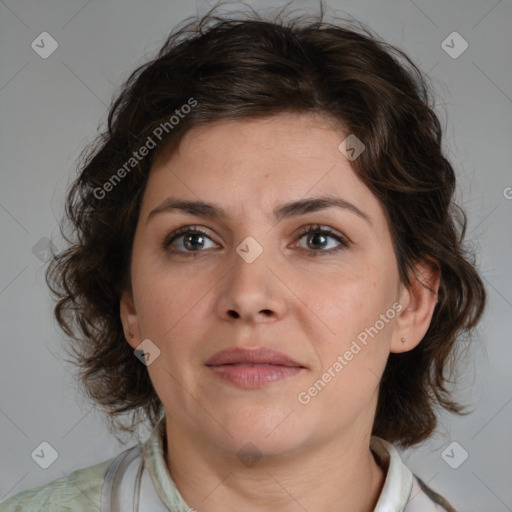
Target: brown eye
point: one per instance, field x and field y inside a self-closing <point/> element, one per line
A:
<point x="186" y="240"/>
<point x="193" y="241"/>
<point x="320" y="240"/>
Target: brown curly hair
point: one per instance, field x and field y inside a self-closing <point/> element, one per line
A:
<point x="230" y="67"/>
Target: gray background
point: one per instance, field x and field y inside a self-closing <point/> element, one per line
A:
<point x="50" y="108"/>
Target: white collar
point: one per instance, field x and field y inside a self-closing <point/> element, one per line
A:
<point x="399" y="478"/>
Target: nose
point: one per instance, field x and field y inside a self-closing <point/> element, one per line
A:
<point x="252" y="292"/>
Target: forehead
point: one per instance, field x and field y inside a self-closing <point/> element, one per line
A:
<point x="258" y="163"/>
<point x="283" y="138"/>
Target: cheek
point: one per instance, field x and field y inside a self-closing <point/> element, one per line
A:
<point x="353" y="318"/>
<point x="168" y="303"/>
<point x="345" y="300"/>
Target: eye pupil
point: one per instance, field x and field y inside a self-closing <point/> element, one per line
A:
<point x="316" y="236"/>
<point x="187" y="241"/>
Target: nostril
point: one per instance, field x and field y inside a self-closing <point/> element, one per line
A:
<point x="233" y="314"/>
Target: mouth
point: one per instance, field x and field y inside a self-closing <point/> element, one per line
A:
<point x="253" y="368"/>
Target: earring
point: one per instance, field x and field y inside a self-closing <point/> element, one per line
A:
<point x="403" y="340"/>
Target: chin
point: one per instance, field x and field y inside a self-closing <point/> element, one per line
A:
<point x="271" y="431"/>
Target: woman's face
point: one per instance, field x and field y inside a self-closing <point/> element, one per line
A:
<point x="255" y="280"/>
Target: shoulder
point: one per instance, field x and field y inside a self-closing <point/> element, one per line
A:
<point x="425" y="499"/>
<point x="80" y="491"/>
<point x="403" y="490"/>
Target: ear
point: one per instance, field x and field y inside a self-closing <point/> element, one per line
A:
<point x="418" y="302"/>
<point x="130" y="319"/>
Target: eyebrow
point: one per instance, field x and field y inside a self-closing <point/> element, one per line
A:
<point x="284" y="211"/>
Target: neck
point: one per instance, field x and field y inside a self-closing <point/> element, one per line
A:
<point x="341" y="475"/>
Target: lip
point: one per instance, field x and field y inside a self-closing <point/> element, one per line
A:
<point x="251" y="356"/>
<point x="253" y="368"/>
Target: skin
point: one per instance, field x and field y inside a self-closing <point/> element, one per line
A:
<point x="314" y="456"/>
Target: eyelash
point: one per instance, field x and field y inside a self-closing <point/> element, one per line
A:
<point x="168" y="240"/>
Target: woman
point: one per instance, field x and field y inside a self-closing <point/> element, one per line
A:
<point x="268" y="266"/>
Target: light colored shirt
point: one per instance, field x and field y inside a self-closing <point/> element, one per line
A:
<point x="140" y="477"/>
